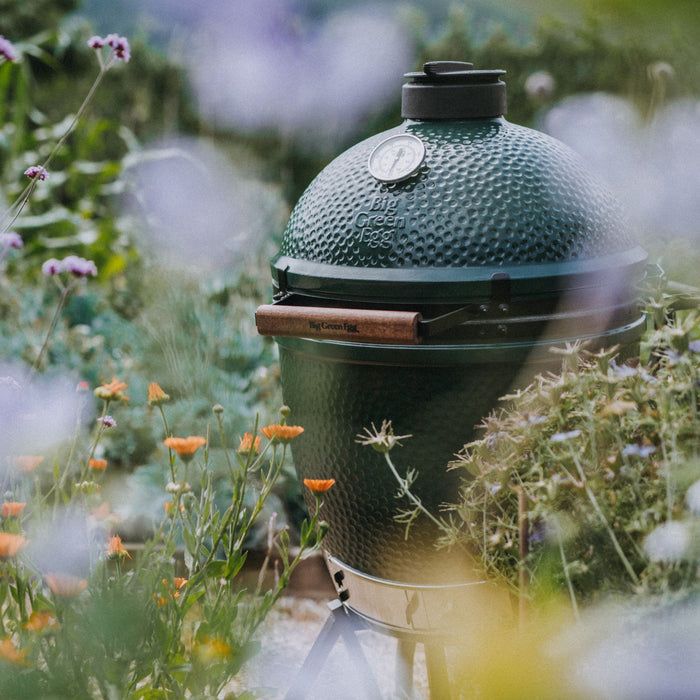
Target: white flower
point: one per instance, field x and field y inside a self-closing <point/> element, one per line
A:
<point x="669" y="542"/>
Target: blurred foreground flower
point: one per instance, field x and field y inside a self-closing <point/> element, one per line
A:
<point x="28" y="463"/>
<point x="11" y="544"/>
<point x="65" y="585"/>
<point x="12" y="509"/>
<point x="10" y="652"/>
<point x="40" y="620"/>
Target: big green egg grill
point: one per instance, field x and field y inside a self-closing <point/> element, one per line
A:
<point x="424" y="273"/>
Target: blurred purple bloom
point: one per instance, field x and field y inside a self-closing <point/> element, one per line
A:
<point x="642" y="451"/>
<point x="694" y="346"/>
<point x="96" y="42"/>
<point x="622" y="370"/>
<point x="7" y="50"/>
<point x="562" y="437"/>
<point x="36" y="171"/>
<point x="52" y="267"/>
<point x="79" y="267"/>
<point x="108" y="421"/>
<point x="11" y="239"/>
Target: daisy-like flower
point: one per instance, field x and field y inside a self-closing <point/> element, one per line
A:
<point x="28" y="463"/>
<point x="65" y="585"/>
<point x="11" y="653"/>
<point x="156" y="396"/>
<point x="116" y="549"/>
<point x="98" y="465"/>
<point x="36" y="171"/>
<point x="12" y="509"/>
<point x="11" y="544"/>
<point x="41" y="620"/>
<point x="249" y="444"/>
<point x="112" y="391"/>
<point x="318" y="485"/>
<point x="185" y="447"/>
<point x="282" y="433"/>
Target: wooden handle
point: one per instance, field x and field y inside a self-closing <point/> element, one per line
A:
<point x="355" y="325"/>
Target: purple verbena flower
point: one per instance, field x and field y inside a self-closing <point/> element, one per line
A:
<point x="642" y="451"/>
<point x="120" y="46"/>
<point x="7" y="50"/>
<point x="79" y="267"/>
<point x="562" y="437"/>
<point x="96" y="42"/>
<point x="52" y="267"/>
<point x="36" y="171"/>
<point x="11" y="239"/>
<point x="107" y="421"/>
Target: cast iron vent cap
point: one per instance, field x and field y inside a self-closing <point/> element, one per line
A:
<point x="453" y="90"/>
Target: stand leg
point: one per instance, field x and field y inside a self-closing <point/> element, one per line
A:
<point x="339" y="624"/>
<point x="405" y="654"/>
<point x="438" y="680"/>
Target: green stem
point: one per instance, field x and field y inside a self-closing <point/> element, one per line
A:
<point x="65" y="292"/>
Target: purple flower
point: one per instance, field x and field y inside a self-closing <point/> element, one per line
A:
<point x="107" y="421"/>
<point x="562" y="437"/>
<point x="52" y="267"/>
<point x="622" y="371"/>
<point x="36" y="171"/>
<point x="7" y="50"/>
<point x="96" y="42"/>
<point x="79" y="267"/>
<point x="694" y="346"/>
<point x="120" y="46"/>
<point x="642" y="451"/>
<point x="11" y="239"/>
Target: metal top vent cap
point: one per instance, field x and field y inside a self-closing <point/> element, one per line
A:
<point x="453" y="90"/>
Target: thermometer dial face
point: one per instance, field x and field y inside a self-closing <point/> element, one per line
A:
<point x="396" y="158"/>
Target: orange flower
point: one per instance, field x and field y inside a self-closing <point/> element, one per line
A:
<point x="156" y="396"/>
<point x="12" y="509"/>
<point x="170" y="506"/>
<point x="10" y="544"/>
<point x="40" y="620"/>
<point x="65" y="585"/>
<point x="249" y="444"/>
<point x="28" y="463"/>
<point x="112" y="391"/>
<point x="99" y="465"/>
<point x="210" y="649"/>
<point x="284" y="433"/>
<point x="185" y="447"/>
<point x="10" y="652"/>
<point x="116" y="549"/>
<point x="318" y="485"/>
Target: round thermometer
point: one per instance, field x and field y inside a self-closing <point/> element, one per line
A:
<point x="396" y="158"/>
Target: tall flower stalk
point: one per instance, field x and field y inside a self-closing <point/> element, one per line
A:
<point x="110" y="50"/>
